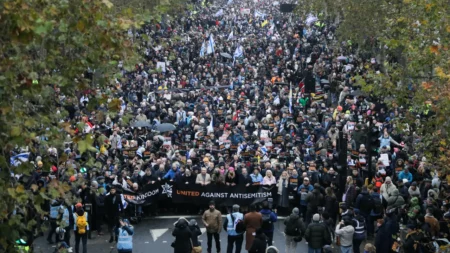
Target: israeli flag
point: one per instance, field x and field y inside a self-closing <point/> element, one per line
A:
<point x="202" y="50"/>
<point x="219" y="13"/>
<point x="259" y="14"/>
<point x="231" y="36"/>
<point x="20" y="158"/>
<point x="290" y="98"/>
<point x="238" y="53"/>
<point x="210" y="47"/>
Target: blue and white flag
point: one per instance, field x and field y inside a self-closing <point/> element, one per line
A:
<point x="202" y="50"/>
<point x="219" y="13"/>
<point x="231" y="36"/>
<point x="259" y="14"/>
<point x="210" y="47"/>
<point x="239" y="52"/>
<point x="20" y="158"/>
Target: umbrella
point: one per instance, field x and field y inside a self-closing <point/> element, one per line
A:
<point x="358" y="93"/>
<point x="226" y="55"/>
<point x="324" y="81"/>
<point x="141" y="124"/>
<point x="164" y="127"/>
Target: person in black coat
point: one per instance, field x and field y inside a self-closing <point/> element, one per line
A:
<point x="113" y="207"/>
<point x="183" y="237"/>
<point x="387" y="232"/>
<point x="259" y="243"/>
<point x="196" y="232"/>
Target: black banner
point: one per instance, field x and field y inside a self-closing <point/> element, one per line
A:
<point x="222" y="195"/>
<point x="200" y="195"/>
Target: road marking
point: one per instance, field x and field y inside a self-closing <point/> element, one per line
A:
<point x="147" y="242"/>
<point x="164" y="241"/>
<point x="156" y="233"/>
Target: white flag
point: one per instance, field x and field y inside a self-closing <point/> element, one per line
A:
<point x="231" y="36"/>
<point x="219" y="13"/>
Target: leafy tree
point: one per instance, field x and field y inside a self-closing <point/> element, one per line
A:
<point x="46" y="50"/>
<point x="410" y="38"/>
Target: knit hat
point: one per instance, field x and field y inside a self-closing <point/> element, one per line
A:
<point x="316" y="217"/>
<point x="388" y="179"/>
<point x="295" y="211"/>
<point x="192" y="222"/>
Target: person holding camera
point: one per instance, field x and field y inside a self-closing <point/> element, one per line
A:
<point x="125" y="236"/>
<point x="294" y="230"/>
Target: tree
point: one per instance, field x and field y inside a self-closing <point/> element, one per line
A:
<point x="411" y="41"/>
<point x="50" y="50"/>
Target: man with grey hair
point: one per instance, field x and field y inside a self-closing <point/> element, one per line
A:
<point x="232" y="226"/>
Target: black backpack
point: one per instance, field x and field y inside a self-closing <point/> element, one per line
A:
<point x="377" y="205"/>
<point x="292" y="228"/>
<point x="266" y="222"/>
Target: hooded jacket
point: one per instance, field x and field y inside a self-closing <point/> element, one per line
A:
<point x="395" y="200"/>
<point x="345" y="234"/>
<point x="317" y="235"/>
<point x="414" y="208"/>
<point x="295" y="218"/>
<point x="183" y="236"/>
<point x="387" y="189"/>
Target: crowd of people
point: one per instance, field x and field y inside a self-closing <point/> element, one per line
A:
<point x="256" y="96"/>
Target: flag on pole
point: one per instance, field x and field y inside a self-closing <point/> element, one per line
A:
<point x="210" y="47"/>
<point x="239" y="52"/>
<point x="259" y="14"/>
<point x="231" y="36"/>
<point x="290" y="98"/>
<point x="202" y="50"/>
<point x="20" y="158"/>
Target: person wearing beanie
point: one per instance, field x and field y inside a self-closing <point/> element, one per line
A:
<point x="317" y="235"/>
<point x="345" y="231"/>
<point x="183" y="236"/>
<point x="235" y="235"/>
<point x="412" y="238"/>
<point x="294" y="230"/>
<point x="212" y="219"/>
<point x="388" y="230"/>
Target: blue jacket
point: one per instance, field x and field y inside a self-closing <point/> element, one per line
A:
<point x="256" y="179"/>
<point x="402" y="175"/>
<point x="171" y="174"/>
<point x="125" y="239"/>
<point x="273" y="217"/>
<point x="308" y="188"/>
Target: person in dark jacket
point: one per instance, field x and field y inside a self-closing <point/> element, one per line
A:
<point x="294" y="229"/>
<point x="317" y="235"/>
<point x="331" y="204"/>
<point x="349" y="192"/>
<point x="314" y="200"/>
<point x="183" y="237"/>
<point x="268" y="218"/>
<point x="412" y="238"/>
<point x="113" y="206"/>
<point x="359" y="223"/>
<point x="387" y="232"/>
<point x="364" y="203"/>
<point x="196" y="232"/>
<point x="259" y="244"/>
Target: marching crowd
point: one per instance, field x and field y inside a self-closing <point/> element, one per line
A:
<point x="250" y="95"/>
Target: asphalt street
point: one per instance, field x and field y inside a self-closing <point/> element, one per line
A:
<point x="155" y="235"/>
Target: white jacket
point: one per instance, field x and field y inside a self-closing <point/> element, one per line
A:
<point x="345" y="234"/>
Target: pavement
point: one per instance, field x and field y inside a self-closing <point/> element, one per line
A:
<point x="155" y="235"/>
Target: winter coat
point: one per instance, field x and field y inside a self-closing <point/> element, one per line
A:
<point x="294" y="218"/>
<point x="364" y="203"/>
<point x="434" y="224"/>
<point x="345" y="234"/>
<point x="414" y="193"/>
<point x="350" y="193"/>
<point x="273" y="218"/>
<point x="411" y="239"/>
<point x="214" y="221"/>
<point x="384" y="239"/>
<point x="314" y="200"/>
<point x="331" y="206"/>
<point x="113" y="205"/>
<point x="196" y="232"/>
<point x="183" y="236"/>
<point x="387" y="189"/>
<point x="317" y="235"/>
<point x="259" y="244"/>
<point x="395" y="200"/>
<point x="414" y="208"/>
<point x="252" y="221"/>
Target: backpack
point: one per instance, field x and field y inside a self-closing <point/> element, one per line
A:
<point x="292" y="228"/>
<point x="240" y="227"/>
<point x="266" y="222"/>
<point x="377" y="206"/>
<point x="81" y="223"/>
